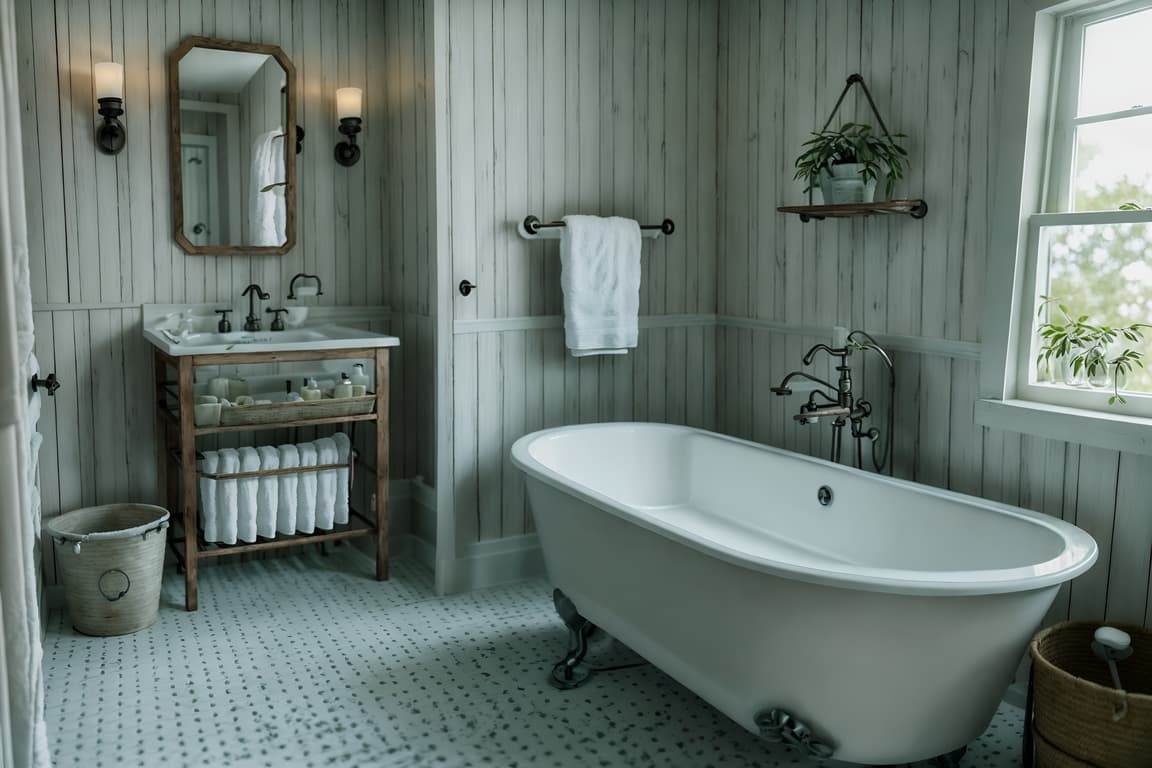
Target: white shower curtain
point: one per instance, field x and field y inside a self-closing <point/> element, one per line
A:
<point x="23" y="735"/>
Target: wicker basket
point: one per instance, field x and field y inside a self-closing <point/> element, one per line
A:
<point x="299" y="410"/>
<point x="1079" y="719"/>
<point x="111" y="559"/>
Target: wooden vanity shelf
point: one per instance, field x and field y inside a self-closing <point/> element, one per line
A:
<point x="917" y="209"/>
<point x="176" y="453"/>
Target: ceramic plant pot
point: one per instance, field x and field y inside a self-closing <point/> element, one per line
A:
<point x="844" y="184"/>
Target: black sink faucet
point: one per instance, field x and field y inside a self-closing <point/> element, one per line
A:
<point x="253" y="292"/>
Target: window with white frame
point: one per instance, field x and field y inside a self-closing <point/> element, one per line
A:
<point x="1090" y="249"/>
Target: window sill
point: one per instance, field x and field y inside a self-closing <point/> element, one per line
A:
<point x="1095" y="428"/>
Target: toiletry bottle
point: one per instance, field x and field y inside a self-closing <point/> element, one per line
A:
<point x="344" y="388"/>
<point x="359" y="380"/>
<point x="310" y="391"/>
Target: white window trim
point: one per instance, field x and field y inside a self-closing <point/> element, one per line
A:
<point x="1026" y="112"/>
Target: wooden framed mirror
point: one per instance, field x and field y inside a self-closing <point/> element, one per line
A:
<point x="233" y="147"/>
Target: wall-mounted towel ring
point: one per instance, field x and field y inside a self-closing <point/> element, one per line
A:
<point x="532" y="228"/>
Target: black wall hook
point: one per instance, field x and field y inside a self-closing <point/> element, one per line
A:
<point x="51" y="384"/>
<point x="466" y="287"/>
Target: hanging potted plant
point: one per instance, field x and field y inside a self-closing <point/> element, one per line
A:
<point x="847" y="163"/>
<point x="1084" y="349"/>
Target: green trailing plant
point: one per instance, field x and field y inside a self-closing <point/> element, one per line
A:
<point x="1133" y="207"/>
<point x="1084" y="345"/>
<point x="880" y="155"/>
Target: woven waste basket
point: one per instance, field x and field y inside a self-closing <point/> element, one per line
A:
<point x="1079" y="719"/>
<point x="111" y="559"/>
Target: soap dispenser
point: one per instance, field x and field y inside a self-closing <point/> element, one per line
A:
<point x="360" y="380"/>
<point x="344" y="388"/>
<point x="310" y="391"/>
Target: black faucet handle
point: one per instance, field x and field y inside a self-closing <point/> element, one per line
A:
<point x="278" y="320"/>
<point x="225" y="325"/>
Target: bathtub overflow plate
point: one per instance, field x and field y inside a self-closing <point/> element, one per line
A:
<point x="824" y="495"/>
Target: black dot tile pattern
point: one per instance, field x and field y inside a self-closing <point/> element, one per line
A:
<point x="307" y="661"/>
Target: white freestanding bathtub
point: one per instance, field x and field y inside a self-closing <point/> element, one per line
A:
<point x="890" y="620"/>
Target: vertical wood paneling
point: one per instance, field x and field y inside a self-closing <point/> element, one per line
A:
<point x="105" y="222"/>
<point x="620" y="121"/>
<point x="1096" y="514"/>
<point x="933" y="69"/>
<point x="101" y="227"/>
<point x="1129" y="569"/>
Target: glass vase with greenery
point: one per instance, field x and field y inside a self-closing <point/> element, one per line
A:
<point x="1084" y="346"/>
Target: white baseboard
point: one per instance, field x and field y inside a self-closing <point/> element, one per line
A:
<point x="1016" y="695"/>
<point x="489" y="563"/>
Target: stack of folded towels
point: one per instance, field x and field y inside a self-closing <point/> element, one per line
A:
<point x="245" y="508"/>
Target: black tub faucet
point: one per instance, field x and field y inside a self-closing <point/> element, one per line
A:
<point x="253" y="292"/>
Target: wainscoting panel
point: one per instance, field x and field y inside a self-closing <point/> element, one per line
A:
<point x="938" y="443"/>
<point x="515" y="382"/>
<point x="616" y="116"/>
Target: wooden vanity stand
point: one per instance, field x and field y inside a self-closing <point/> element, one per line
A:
<point x="176" y="456"/>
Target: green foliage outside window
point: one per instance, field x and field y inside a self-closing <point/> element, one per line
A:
<point x="1103" y="273"/>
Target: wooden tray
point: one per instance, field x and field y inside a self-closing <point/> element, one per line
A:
<point x="240" y="415"/>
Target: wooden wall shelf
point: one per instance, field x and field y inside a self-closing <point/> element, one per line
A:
<point x="917" y="209"/>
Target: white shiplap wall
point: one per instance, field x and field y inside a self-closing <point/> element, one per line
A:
<point x="554" y="108"/>
<point x="933" y="68"/>
<point x="100" y="227"/>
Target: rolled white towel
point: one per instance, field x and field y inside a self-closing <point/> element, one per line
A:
<point x="211" y="466"/>
<point x="343" y="451"/>
<point x="267" y="493"/>
<point x="306" y="490"/>
<point x="286" y="504"/>
<point x="246" y="506"/>
<point x="226" y="501"/>
<point x="325" y="483"/>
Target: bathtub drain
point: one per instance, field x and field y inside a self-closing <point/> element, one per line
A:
<point x="824" y="495"/>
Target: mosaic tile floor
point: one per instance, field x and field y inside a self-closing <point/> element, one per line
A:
<point x="305" y="661"/>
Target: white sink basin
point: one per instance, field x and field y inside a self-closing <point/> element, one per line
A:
<point x="291" y="340"/>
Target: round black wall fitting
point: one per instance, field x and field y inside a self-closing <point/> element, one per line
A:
<point x="348" y="152"/>
<point x="110" y="136"/>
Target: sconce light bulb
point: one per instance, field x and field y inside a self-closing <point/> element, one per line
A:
<point x="349" y="103"/>
<point x="108" y="80"/>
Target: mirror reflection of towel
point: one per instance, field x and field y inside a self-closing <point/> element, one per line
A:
<point x="266" y="213"/>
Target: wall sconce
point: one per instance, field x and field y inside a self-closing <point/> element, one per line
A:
<point x="108" y="82"/>
<point x="349" y="109"/>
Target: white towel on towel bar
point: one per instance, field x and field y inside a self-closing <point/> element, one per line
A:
<point x="600" y="277"/>
<point x="325" y="483"/>
<point x="226" y="497"/>
<point x="210" y="465"/>
<point x="306" y="491"/>
<point x="343" y="451"/>
<point x="246" y="503"/>
<point x="267" y="492"/>
<point x="286" y="503"/>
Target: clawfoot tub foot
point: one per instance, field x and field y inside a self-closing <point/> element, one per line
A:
<point x="950" y="760"/>
<point x="570" y="672"/>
